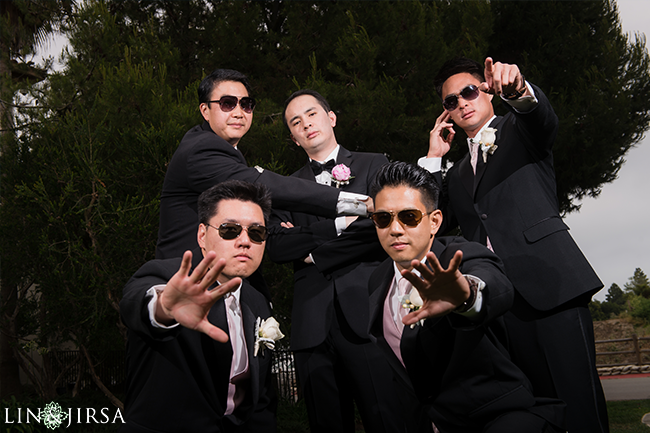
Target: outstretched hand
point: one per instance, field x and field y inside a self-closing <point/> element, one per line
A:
<point x="439" y="145"/>
<point x="441" y="290"/>
<point x="187" y="298"/>
<point x="501" y="78"/>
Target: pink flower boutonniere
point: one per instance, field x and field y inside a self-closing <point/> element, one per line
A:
<point x="488" y="137"/>
<point x="341" y="175"/>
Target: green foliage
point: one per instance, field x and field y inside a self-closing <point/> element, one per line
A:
<point x="596" y="79"/>
<point x="640" y="308"/>
<point x="596" y="310"/>
<point x="639" y="284"/>
<point x="82" y="173"/>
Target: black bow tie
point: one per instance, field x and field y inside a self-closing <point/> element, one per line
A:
<point x="318" y="168"/>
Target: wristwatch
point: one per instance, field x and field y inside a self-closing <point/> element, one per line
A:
<point x="518" y="93"/>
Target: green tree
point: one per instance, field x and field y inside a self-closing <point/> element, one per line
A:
<point x="596" y="310"/>
<point x="615" y="301"/>
<point x="596" y="79"/>
<point x="83" y="170"/>
<point x="640" y="309"/>
<point x="84" y="177"/>
<point x="638" y="284"/>
<point x="24" y="25"/>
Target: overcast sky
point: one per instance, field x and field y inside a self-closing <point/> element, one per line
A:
<point x="613" y="230"/>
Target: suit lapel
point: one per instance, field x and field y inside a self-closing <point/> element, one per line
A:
<point x="470" y="180"/>
<point x="466" y="174"/>
<point x="249" y="331"/>
<point x="384" y="276"/>
<point x="480" y="165"/>
<point x="345" y="157"/>
<point x="206" y="127"/>
<point x="222" y="353"/>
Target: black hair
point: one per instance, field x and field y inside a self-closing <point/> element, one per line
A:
<point x="397" y="174"/>
<point x="321" y="100"/>
<point x="215" y="78"/>
<point x="457" y="65"/>
<point x="233" y="190"/>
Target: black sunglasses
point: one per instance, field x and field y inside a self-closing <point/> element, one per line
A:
<point x="469" y="93"/>
<point x="408" y="217"/>
<point x="228" y="103"/>
<point x="230" y="231"/>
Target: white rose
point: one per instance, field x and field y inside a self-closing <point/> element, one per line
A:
<point x="488" y="136"/>
<point x="415" y="298"/>
<point x="270" y="328"/>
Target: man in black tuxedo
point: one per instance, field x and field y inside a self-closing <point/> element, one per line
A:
<point x="209" y="154"/>
<point x="333" y="258"/>
<point x="451" y="346"/>
<point x="195" y="361"/>
<point x="503" y="194"/>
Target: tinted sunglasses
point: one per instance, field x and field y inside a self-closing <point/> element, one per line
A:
<point x="230" y="231"/>
<point x="469" y="93"/>
<point x="228" y="103"/>
<point x="407" y="217"/>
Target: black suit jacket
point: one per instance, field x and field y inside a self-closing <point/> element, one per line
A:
<point x="342" y="263"/>
<point x="461" y="370"/>
<point x="203" y="160"/>
<point x="177" y="380"/>
<point x="513" y="201"/>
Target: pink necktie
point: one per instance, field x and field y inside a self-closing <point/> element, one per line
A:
<point x="403" y="288"/>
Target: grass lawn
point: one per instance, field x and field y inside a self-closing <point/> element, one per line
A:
<point x="625" y="416"/>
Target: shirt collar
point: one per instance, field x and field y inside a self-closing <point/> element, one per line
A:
<point x="398" y="274"/>
<point x="487" y="124"/>
<point x="235" y="293"/>
<point x="333" y="155"/>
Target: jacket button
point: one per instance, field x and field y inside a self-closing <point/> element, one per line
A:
<point x="483" y="216"/>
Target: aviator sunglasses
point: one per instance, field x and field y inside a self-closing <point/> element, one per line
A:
<point x="230" y="231"/>
<point x="407" y="217"/>
<point x="469" y="93"/>
<point x="228" y="103"/>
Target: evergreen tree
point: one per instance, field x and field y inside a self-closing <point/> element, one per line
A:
<point x="81" y="180"/>
<point x="596" y="79"/>
<point x="596" y="310"/>
<point x="639" y="284"/>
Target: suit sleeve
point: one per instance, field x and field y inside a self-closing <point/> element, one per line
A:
<point x="213" y="162"/>
<point x="286" y="245"/>
<point x="538" y="127"/>
<point x="133" y="306"/>
<point x="498" y="294"/>
<point x="357" y="243"/>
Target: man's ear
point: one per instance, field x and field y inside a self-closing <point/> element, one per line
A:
<point x="435" y="219"/>
<point x="204" y="109"/>
<point x="294" y="140"/>
<point x="200" y="235"/>
<point x="332" y="117"/>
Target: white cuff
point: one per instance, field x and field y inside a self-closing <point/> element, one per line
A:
<point x="153" y="292"/>
<point x="339" y="224"/>
<point x="432" y="165"/>
<point x="350" y="203"/>
<point x="525" y="103"/>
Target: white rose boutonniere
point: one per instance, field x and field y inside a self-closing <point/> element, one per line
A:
<point x="488" y="137"/>
<point x="413" y="302"/>
<point x="267" y="332"/>
<point x="341" y="175"/>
